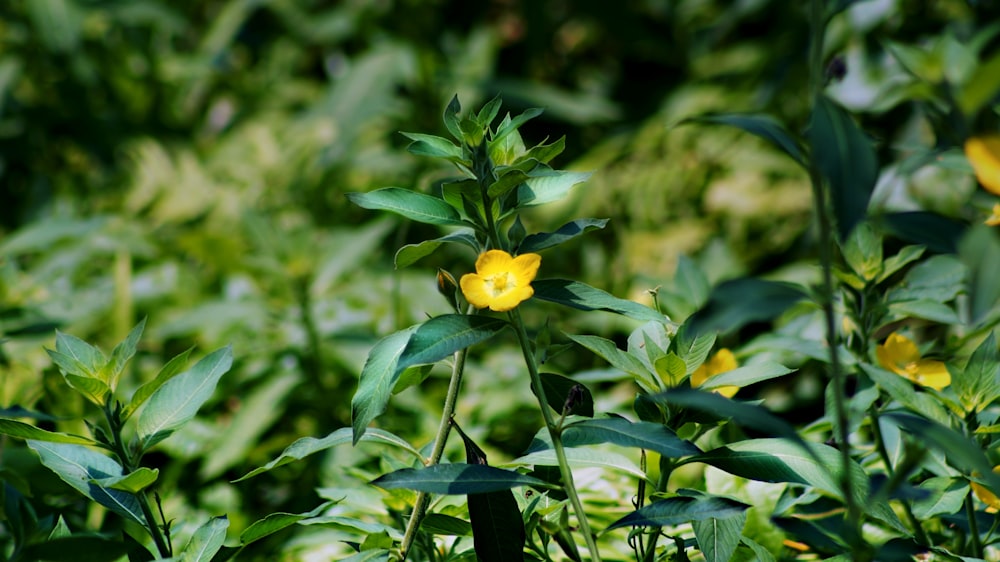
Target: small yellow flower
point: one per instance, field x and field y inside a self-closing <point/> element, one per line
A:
<point x="900" y="355"/>
<point x="994" y="219"/>
<point x="984" y="155"/>
<point x="501" y="282"/>
<point x="986" y="496"/>
<point x="722" y="362"/>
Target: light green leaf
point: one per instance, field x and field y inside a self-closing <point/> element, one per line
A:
<point x="933" y="310"/>
<point x="23" y="430"/>
<point x="173" y="368"/>
<point x="85" y="360"/>
<point x="894" y="263"/>
<point x="433" y="146"/>
<point x="378" y="377"/>
<point x="79" y="467"/>
<point x="944" y="496"/>
<point x="622" y="432"/>
<point x="547" y="185"/>
<point x="275" y="522"/>
<point x="846" y="158"/>
<point x="902" y="391"/>
<point x="177" y="401"/>
<point x="207" y="540"/>
<point x="94" y="389"/>
<point x="568" y="231"/>
<point x="717" y="537"/>
<point x="747" y="375"/>
<point x="121" y="355"/>
<point x="579" y="457"/>
<point x="456" y="479"/>
<point x="584" y="297"/>
<point x="680" y="509"/>
<point x="306" y="446"/>
<point x="135" y="481"/>
<point x="451" y="119"/>
<point x="444" y="335"/>
<point x="410" y="204"/>
<point x="412" y="253"/>
<point x="979" y="385"/>
<point x="762" y="554"/>
<point x="981" y="87"/>
<point x="514" y="124"/>
<point x="607" y="350"/>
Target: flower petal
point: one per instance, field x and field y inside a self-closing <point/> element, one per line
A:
<point x="512" y="298"/>
<point x="474" y="289"/>
<point x="897" y="352"/>
<point x="984" y="155"/>
<point x="492" y="262"/>
<point x="525" y="267"/>
<point x="932" y="374"/>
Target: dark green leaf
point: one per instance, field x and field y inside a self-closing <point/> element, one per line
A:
<point x="544" y="153"/>
<point x="506" y="182"/>
<point x="275" y="522"/>
<point x="378" y="378"/>
<point x="26" y="431"/>
<point x="763" y="126"/>
<point x="624" y="433"/>
<point x="558" y="389"/>
<point x="847" y="160"/>
<point x="451" y="119"/>
<point x="122" y="353"/>
<point x="747" y="375"/>
<point x="681" y="509"/>
<point x="568" y="231"/>
<point x="980" y="252"/>
<point x="132" y="482"/>
<point x="441" y="524"/>
<point x="736" y="303"/>
<point x="410" y="204"/>
<point x="444" y="335"/>
<point x="546" y="186"/>
<point x="173" y="368"/>
<point x="177" y="401"/>
<point x="411" y="253"/>
<point x="514" y="124"/>
<point x="581" y="296"/>
<point x="979" y="385"/>
<point x="433" y="146"/>
<point x="718" y="538"/>
<point x="934" y="231"/>
<point x="456" y="479"/>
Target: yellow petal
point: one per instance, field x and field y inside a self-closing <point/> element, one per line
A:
<point x="984" y="155"/>
<point x="722" y="362"/>
<point x="474" y="289"/>
<point x="994" y="219"/>
<point x="984" y="495"/>
<point x="512" y="298"/>
<point x="930" y="373"/>
<point x="525" y="267"/>
<point x="897" y="352"/>
<point x="492" y="262"/>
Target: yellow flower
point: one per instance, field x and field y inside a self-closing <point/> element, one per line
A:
<point x="984" y="155"/>
<point x="994" y="219"/>
<point x="501" y="282"/>
<point x="722" y="362"/>
<point x="986" y="496"/>
<point x="900" y="355"/>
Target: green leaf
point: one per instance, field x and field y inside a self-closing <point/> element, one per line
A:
<point x="846" y="158"/>
<point x="77" y="357"/>
<point x="584" y="297"/>
<point x="306" y="446"/>
<point x="679" y="509"/>
<point x="980" y="252"/>
<point x="505" y="183"/>
<point x="582" y="457"/>
<point x="444" y="335"/>
<point x="905" y="256"/>
<point x="23" y="430"/>
<point x="936" y="232"/>
<point x="456" y="479"/>
<point x="435" y="147"/>
<point x="93" y="389"/>
<point x="735" y="303"/>
<point x="514" y="124"/>
<point x="717" y="537"/>
<point x="76" y="548"/>
<point x="411" y="253"/>
<point x="134" y="482"/>
<point x="378" y="377"/>
<point x="207" y="540"/>
<point x="763" y="126"/>
<point x="489" y="112"/>
<point x="935" y="311"/>
<point x="781" y="460"/>
<point x="79" y="467"/>
<point x="981" y="87"/>
<point x="441" y="524"/>
<point x="557" y="390"/>
<point x="410" y="204"/>
<point x="451" y="118"/>
<point x="863" y="252"/>
<point x="374" y="555"/>
<point x="544" y="153"/>
<point x="121" y="355"/>
<point x="901" y="390"/>
<point x="979" y="385"/>
<point x="944" y="496"/>
<point x="547" y="185"/>
<point x="275" y="522"/>
<point x="173" y="368"/>
<point x="178" y="400"/>
<point x="624" y="433"/>
<point x="747" y="375"/>
<point x="566" y="232"/>
<point x="762" y="554"/>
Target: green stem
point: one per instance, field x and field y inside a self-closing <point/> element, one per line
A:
<point x="970" y="514"/>
<point x="555" y="434"/>
<point x="883" y="453"/>
<point x="129" y="466"/>
<point x="423" y="498"/>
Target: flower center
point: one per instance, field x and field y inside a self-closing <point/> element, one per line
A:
<point x="499" y="284"/>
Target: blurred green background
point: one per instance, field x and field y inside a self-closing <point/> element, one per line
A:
<point x="187" y="161"/>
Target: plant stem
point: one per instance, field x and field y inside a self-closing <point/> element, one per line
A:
<point x="556" y="435"/>
<point x="970" y="514"/>
<point x="423" y="498"/>
<point x="883" y="453"/>
<point x="817" y="20"/>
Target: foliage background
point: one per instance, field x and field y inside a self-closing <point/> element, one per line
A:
<point x="187" y="162"/>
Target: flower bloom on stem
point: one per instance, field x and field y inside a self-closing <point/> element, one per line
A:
<point x="722" y="362"/>
<point x="501" y="281"/>
<point x="986" y="496"/>
<point x="900" y="355"/>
